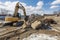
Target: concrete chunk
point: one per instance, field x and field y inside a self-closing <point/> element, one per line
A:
<point x="35" y="24"/>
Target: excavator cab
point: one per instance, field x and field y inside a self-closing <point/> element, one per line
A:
<point x="18" y="15"/>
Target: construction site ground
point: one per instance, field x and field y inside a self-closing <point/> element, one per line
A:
<point x="20" y="35"/>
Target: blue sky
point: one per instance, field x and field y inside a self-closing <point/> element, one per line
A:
<point x="47" y="7"/>
<point x="30" y="2"/>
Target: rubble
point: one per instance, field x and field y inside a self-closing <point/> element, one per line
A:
<point x="35" y="24"/>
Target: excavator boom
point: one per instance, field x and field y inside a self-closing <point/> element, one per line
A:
<point x="17" y="7"/>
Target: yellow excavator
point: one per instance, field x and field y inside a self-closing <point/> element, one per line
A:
<point x="16" y="18"/>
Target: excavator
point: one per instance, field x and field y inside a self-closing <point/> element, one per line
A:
<point x="16" y="18"/>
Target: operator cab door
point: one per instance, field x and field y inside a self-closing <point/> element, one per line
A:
<point x="19" y="15"/>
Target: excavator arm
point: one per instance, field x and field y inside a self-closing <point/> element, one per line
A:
<point x="17" y="7"/>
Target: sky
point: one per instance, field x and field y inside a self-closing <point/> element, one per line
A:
<point x="32" y="6"/>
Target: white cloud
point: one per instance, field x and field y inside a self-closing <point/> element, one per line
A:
<point x="55" y="2"/>
<point x="54" y="7"/>
<point x="29" y="9"/>
<point x="40" y="3"/>
<point x="37" y="9"/>
<point x="8" y="5"/>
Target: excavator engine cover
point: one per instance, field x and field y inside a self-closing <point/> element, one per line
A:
<point x="11" y="19"/>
